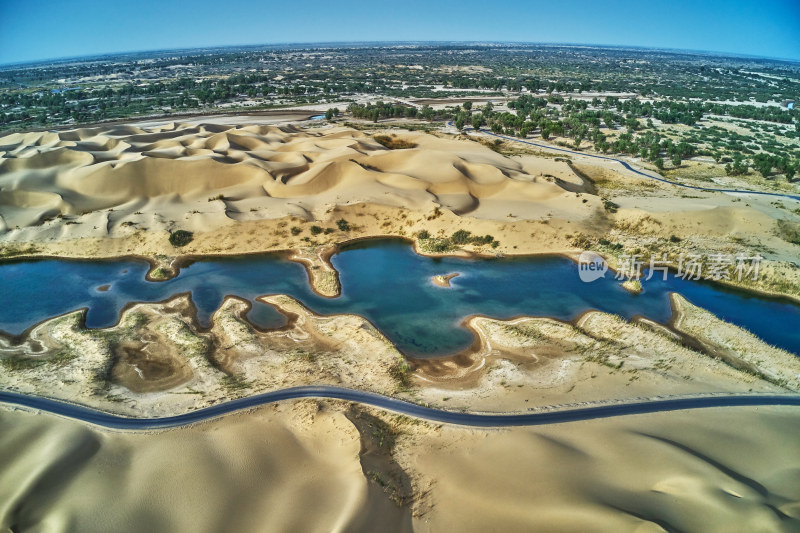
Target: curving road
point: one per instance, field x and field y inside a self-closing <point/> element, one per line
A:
<point x="108" y="420"/>
<point x="635" y="171"/>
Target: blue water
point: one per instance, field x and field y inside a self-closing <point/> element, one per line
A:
<point x="384" y="281"/>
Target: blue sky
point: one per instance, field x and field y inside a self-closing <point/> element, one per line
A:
<point x="47" y="29"/>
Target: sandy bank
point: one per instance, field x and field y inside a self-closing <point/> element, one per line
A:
<point x="158" y="361"/>
<point x="734" y="345"/>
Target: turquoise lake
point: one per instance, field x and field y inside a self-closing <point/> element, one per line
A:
<point x="387" y="283"/>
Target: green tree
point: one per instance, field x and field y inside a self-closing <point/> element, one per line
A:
<point x="427" y="112"/>
<point x="676" y="160"/>
<point x="659" y="163"/>
<point x="477" y="121"/>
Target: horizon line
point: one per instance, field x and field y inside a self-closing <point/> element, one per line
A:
<point x="319" y="44"/>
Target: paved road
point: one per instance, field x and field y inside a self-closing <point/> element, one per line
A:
<point x="639" y="172"/>
<point x="101" y="418"/>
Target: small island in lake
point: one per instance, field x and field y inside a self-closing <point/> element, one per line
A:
<point x="443" y="280"/>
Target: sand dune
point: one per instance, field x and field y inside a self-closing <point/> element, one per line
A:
<point x="70" y="174"/>
<point x="261" y="472"/>
<point x="716" y="470"/>
<point x="316" y="466"/>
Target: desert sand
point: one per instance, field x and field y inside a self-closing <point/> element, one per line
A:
<point x="245" y="173"/>
<point x="327" y="466"/>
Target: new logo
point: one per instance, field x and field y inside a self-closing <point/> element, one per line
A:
<point x="591" y="266"/>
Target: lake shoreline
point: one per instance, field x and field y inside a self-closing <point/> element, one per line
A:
<point x="317" y="260"/>
<point x="323" y="256"/>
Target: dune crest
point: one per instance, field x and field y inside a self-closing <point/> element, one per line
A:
<point x="173" y="169"/>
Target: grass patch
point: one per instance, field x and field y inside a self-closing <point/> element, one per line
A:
<point x="60" y="359"/>
<point x="302" y="355"/>
<point x="13" y="251"/>
<point x="789" y="231"/>
<point x="393" y="143"/>
<point x="435" y="245"/>
<point x="13" y="364"/>
<point x="525" y="331"/>
<point x="160" y="274"/>
<point x="234" y="383"/>
<point x="401" y="373"/>
<point x="101" y="376"/>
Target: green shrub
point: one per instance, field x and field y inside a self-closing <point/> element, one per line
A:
<point x="423" y="234"/>
<point x="343" y="225"/>
<point x="316" y="230"/>
<point x="460" y="237"/>
<point x="296" y="231"/>
<point x="180" y="237"/>
<point x="610" y="206"/>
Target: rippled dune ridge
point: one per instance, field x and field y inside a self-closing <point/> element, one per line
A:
<point x="280" y="169"/>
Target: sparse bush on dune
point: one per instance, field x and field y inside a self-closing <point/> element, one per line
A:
<point x="393" y="143"/>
